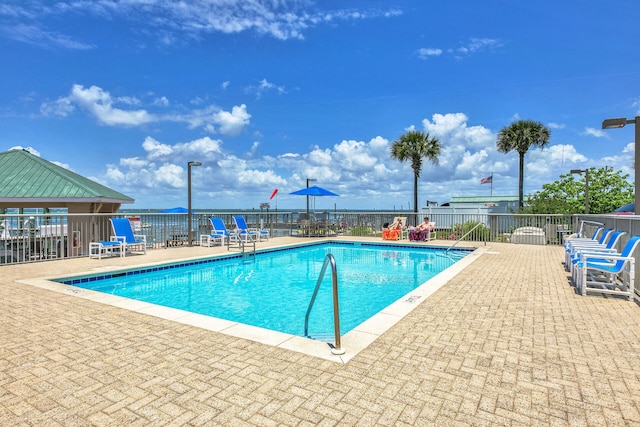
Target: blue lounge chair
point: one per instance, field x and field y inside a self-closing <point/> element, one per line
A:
<point x="580" y="237"/>
<point x="247" y="234"/>
<point x="219" y="232"/>
<point x="123" y="233"/>
<point x="610" y="247"/>
<point x="571" y="244"/>
<point x="607" y="273"/>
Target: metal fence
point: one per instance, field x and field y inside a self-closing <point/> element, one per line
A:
<point x="32" y="238"/>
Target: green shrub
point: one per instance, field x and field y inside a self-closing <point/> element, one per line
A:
<point x="482" y="233"/>
<point x="360" y="230"/>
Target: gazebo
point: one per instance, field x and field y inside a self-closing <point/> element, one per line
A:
<point x="31" y="182"/>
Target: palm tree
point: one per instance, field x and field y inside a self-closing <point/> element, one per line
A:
<point x="416" y="146"/>
<point x="520" y="136"/>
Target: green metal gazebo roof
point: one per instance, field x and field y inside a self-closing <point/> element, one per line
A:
<point x="27" y="178"/>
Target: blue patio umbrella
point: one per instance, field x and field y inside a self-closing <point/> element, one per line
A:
<point x="313" y="191"/>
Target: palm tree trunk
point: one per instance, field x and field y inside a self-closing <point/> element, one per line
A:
<point x="521" y="183"/>
<point x="415" y="199"/>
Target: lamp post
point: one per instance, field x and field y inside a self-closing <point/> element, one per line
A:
<point x="619" y="123"/>
<point x="189" y="164"/>
<point x="308" y="217"/>
<point x="586" y="187"/>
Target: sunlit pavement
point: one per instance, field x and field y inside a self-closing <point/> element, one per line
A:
<point x="506" y="341"/>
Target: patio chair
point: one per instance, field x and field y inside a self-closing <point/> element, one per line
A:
<point x="123" y="233"/>
<point x="610" y="247"/>
<point x="404" y="231"/>
<point x="607" y="242"/>
<point x="219" y="233"/>
<point x="579" y="236"/>
<point x="607" y="273"/>
<point x="247" y="234"/>
<point x="571" y="244"/>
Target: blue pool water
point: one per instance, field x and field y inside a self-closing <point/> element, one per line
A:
<point x="272" y="290"/>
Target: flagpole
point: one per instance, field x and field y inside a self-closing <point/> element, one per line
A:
<point x="491" y="187"/>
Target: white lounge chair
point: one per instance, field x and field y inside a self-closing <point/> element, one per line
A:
<point x="607" y="273"/>
<point x="123" y="233"/>
<point x="219" y="233"/>
<point x="571" y="245"/>
<point x="610" y="248"/>
<point x="247" y="234"/>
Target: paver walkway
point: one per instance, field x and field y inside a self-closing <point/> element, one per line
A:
<point x="506" y="342"/>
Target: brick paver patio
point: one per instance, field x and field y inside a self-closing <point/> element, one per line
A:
<point x="505" y="342"/>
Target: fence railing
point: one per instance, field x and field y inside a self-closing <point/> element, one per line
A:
<point x="39" y="237"/>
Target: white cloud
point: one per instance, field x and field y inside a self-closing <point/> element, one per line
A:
<point x="198" y="149"/>
<point x="170" y="174"/>
<point x="473" y="46"/>
<point x="114" y="175"/>
<point x="134" y="162"/>
<point x="34" y="35"/>
<point x="171" y="22"/>
<point x="263" y="87"/>
<point x="162" y="101"/>
<point x="453" y="127"/>
<point x="100" y="104"/>
<point x="425" y="53"/>
<point x="553" y="125"/>
<point x="471" y="162"/>
<point x="205" y="147"/>
<point x="156" y="149"/>
<point x="254" y="177"/>
<point x="598" y="133"/>
<point x="636" y="104"/>
<point x="553" y="160"/>
<point x="60" y="107"/>
<point x="232" y="123"/>
<point x="28" y="149"/>
<point x="355" y="156"/>
<point x="215" y="120"/>
<point x="254" y="149"/>
<point x="479" y="44"/>
<point x="361" y="171"/>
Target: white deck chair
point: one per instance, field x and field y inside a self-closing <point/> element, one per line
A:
<point x="607" y="273"/>
<point x="123" y="233"/>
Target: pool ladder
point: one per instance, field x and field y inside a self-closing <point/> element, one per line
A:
<point x="241" y="246"/>
<point x="329" y="259"/>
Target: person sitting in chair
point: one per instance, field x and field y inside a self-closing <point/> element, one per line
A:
<point x="392" y="232"/>
<point x="421" y="232"/>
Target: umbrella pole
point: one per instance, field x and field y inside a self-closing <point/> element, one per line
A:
<point x="308" y="219"/>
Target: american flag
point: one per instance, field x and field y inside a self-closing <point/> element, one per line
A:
<point x="487" y="180"/>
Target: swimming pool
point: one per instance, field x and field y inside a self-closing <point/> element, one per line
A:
<point x="272" y="289"/>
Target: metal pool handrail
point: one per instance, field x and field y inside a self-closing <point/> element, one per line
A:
<point x="241" y="244"/>
<point x="337" y="348"/>
<point x="461" y="238"/>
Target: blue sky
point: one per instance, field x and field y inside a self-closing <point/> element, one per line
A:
<point x="267" y="93"/>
